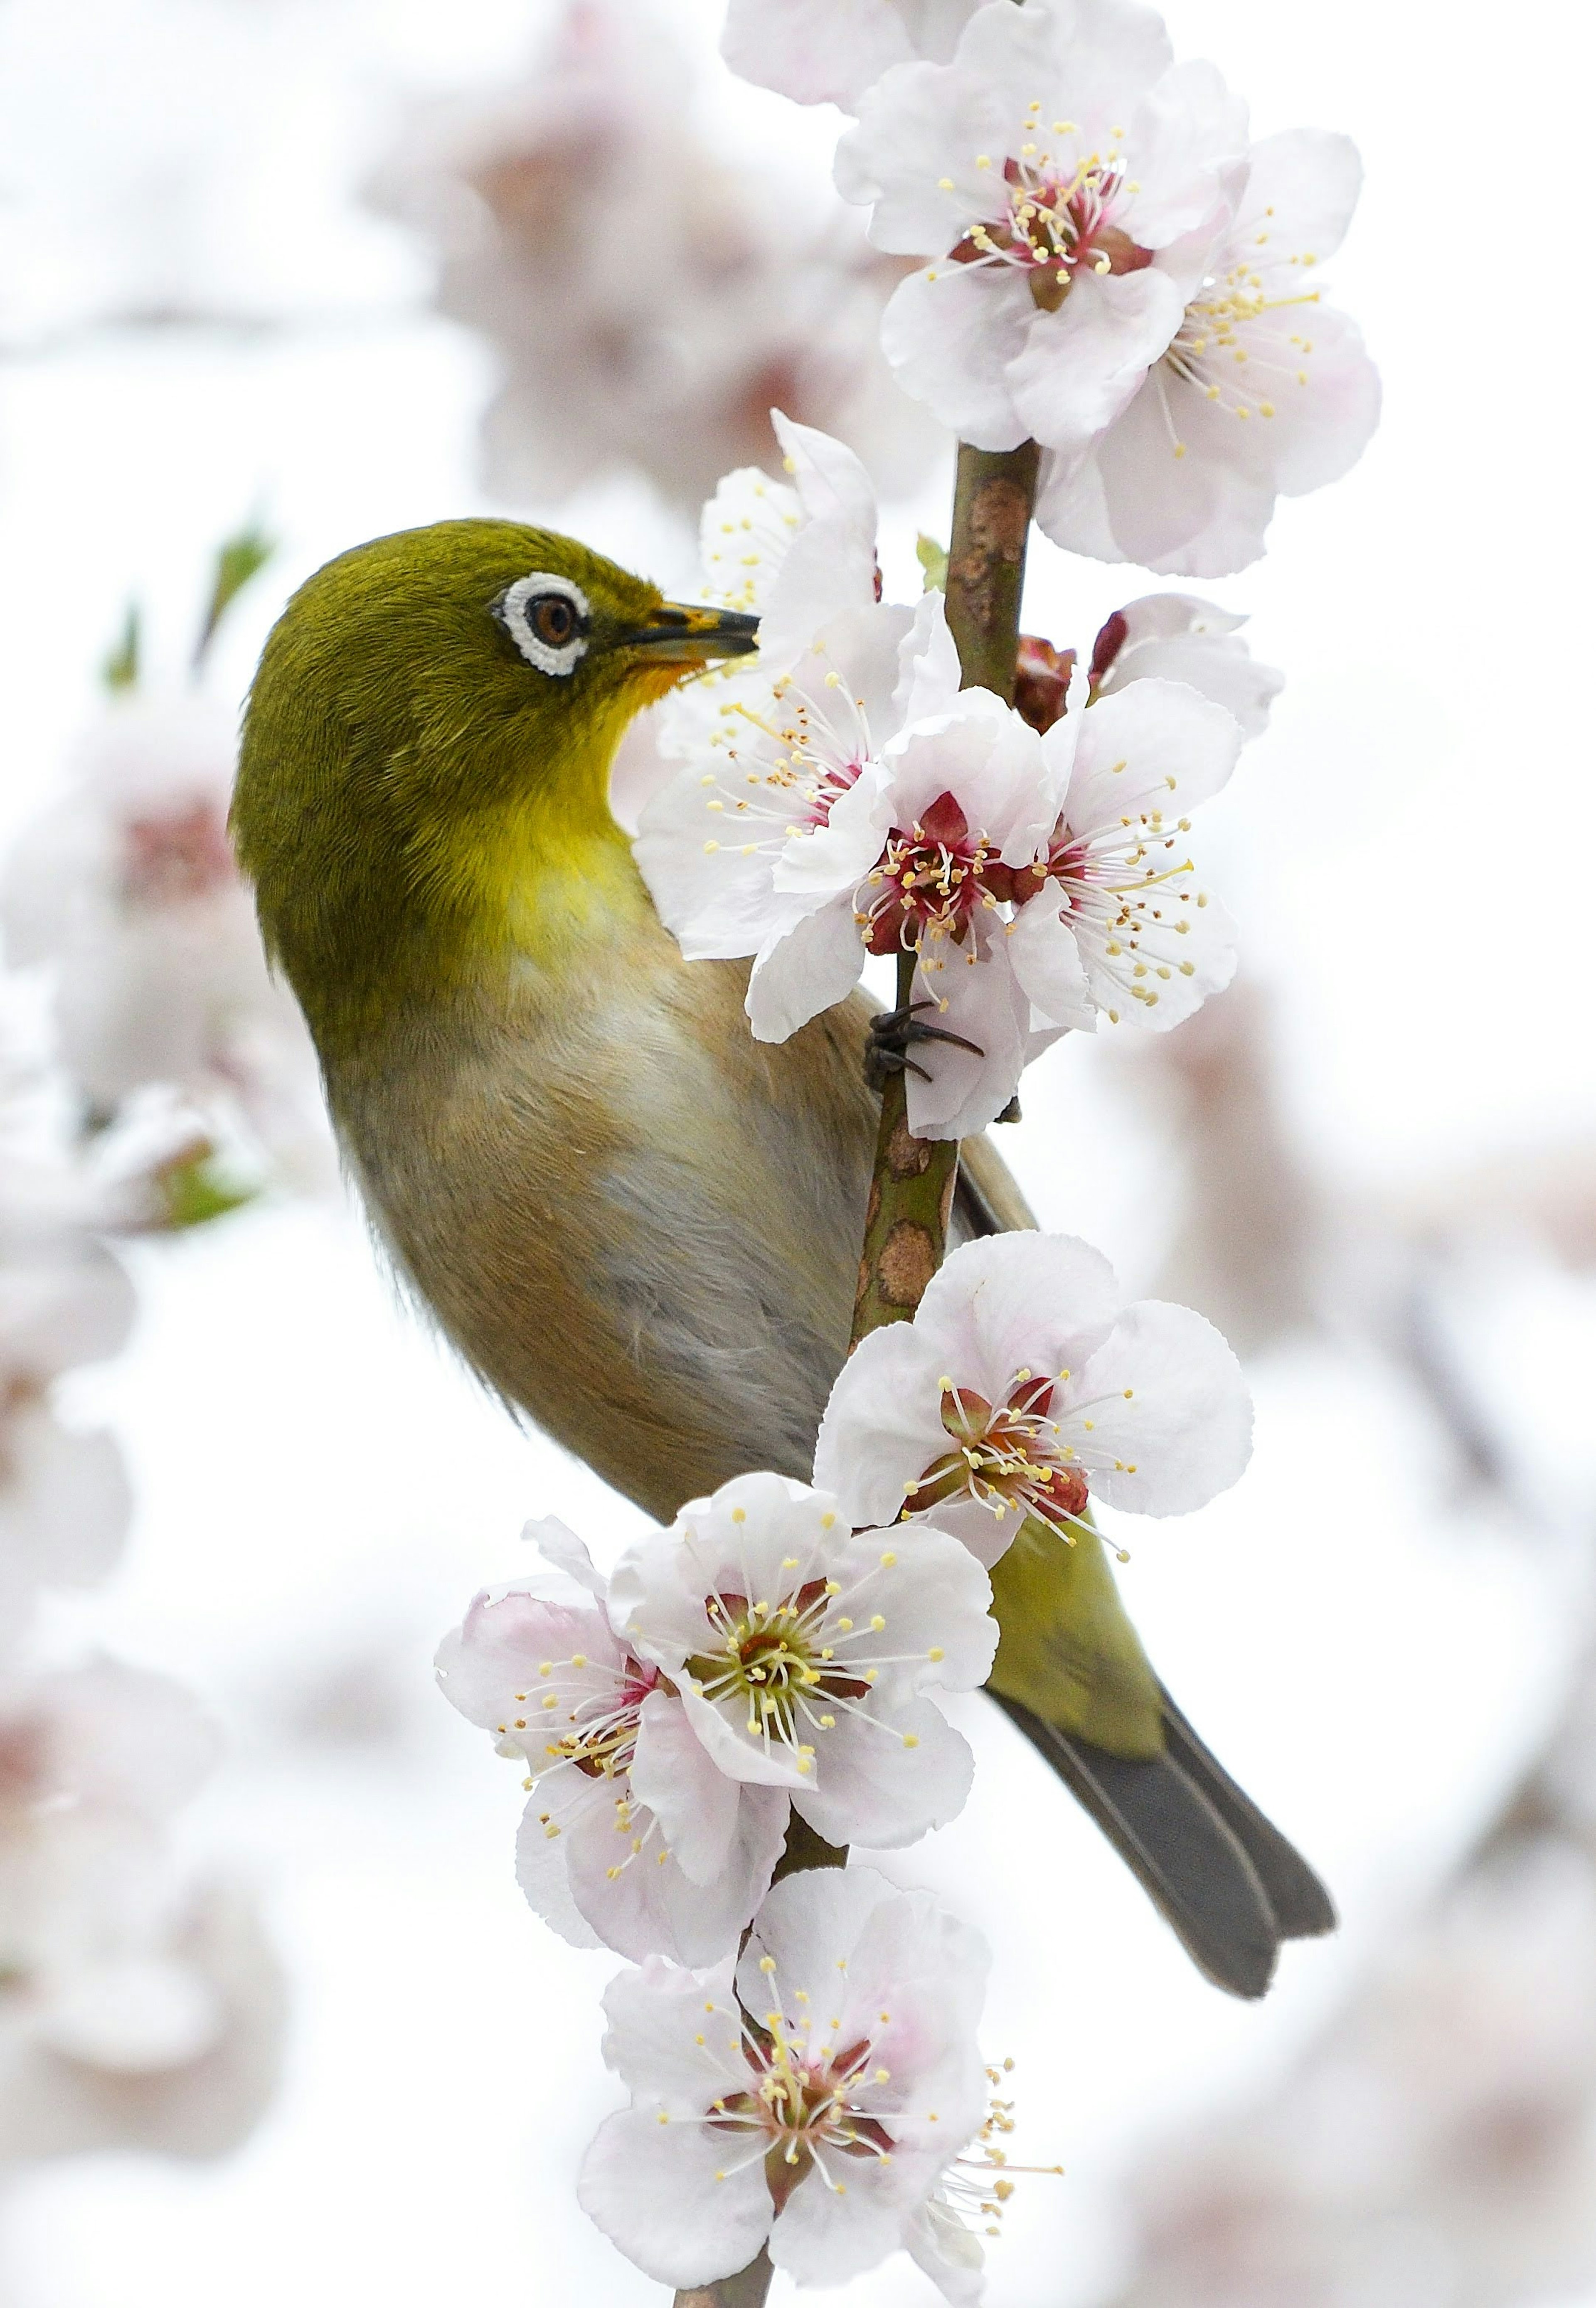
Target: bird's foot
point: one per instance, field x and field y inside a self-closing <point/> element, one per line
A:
<point x="892" y="1031"/>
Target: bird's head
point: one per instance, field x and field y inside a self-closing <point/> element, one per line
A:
<point x="427" y="744"/>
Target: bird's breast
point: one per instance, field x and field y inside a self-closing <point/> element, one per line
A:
<point x="634" y="1221"/>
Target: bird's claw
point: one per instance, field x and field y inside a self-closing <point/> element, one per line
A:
<point x="892" y="1031"/>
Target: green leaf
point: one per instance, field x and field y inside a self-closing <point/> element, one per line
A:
<point x="196" y="1188"/>
<point x="933" y="559"/>
<point x="241" y="557"/>
<point x="121" y="669"/>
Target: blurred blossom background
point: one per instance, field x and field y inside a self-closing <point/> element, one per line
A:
<point x="279" y="275"/>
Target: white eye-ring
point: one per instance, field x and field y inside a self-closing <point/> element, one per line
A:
<point x="548" y="619"/>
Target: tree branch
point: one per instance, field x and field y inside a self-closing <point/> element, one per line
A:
<point x="912" y="1193"/>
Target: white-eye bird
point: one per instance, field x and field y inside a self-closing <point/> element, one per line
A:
<point x="636" y="1223"/>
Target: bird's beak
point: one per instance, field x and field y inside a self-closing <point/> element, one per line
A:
<point x="675" y="635"/>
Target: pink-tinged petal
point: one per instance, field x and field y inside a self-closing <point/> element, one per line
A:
<point x="738" y="1752"/>
<point x="1038" y="1301"/>
<point x="1081" y="364"/>
<point x="950" y="335"/>
<point x="713" y="899"/>
<point x="562" y="1551"/>
<point x="627" y="1883"/>
<point x="1047" y="963"/>
<point x="929" y="675"/>
<point x="829" y="562"/>
<point x="923" y="127"/>
<point x="815" y="51"/>
<point x="656" y="2016"/>
<point x="1178" y="637"/>
<point x="696" y="1804"/>
<point x="1179" y="967"/>
<point x="978" y="997"/>
<point x="1323" y="427"/>
<point x="804" y="970"/>
<point x="1302" y="188"/>
<point x="887" y="1786"/>
<point x="881" y="1427"/>
<point x="985" y="1534"/>
<point x="1184" y="132"/>
<point x="1152" y="746"/>
<point x="565" y="1808"/>
<point x="657" y="2191"/>
<point x="944" y="2249"/>
<point x="489" y="1665"/>
<point x="822" y="2236"/>
<point x="991" y="762"/>
<point x="1183" y="1431"/>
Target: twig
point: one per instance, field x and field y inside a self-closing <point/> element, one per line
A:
<point x="912" y="1193"/>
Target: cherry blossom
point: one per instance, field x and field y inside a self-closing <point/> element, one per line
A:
<point x="831" y="51"/>
<point x="799" y="553"/>
<point x="1024" y="1385"/>
<point x="1112" y="923"/>
<point x="802" y="1651"/>
<point x="664" y="359"/>
<point x="139" y="2006"/>
<point x="126" y="890"/>
<point x="1068" y="180"/>
<point x="1264" y="390"/>
<point x="633" y="1837"/>
<point x="1162" y="636"/>
<point x="816" y="2095"/>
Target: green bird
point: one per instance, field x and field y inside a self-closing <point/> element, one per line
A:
<point x="638" y="1225"/>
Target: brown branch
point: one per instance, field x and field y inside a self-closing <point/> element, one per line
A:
<point x="912" y="1193"/>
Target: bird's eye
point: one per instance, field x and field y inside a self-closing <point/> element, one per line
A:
<point x="548" y="618"/>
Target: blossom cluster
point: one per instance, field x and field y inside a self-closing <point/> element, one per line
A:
<point x="781" y="1652"/>
<point x="140" y="2005"/>
<point x="661" y="353"/>
<point x="1106" y="263"/>
<point x="840" y="794"/>
<point x="147" y="1068"/>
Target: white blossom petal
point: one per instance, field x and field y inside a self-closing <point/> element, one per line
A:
<point x="1184" y="1432"/>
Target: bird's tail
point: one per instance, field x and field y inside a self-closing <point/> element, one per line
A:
<point x="1222" y="1876"/>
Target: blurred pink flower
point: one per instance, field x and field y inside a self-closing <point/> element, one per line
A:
<point x="648" y="304"/>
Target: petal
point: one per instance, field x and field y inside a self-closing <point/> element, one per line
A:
<point x="822" y="2236"/>
<point x="562" y="1551"/>
<point x="978" y="996"/>
<point x="1183" y="1434"/>
<point x="1152" y="746"/>
<point x="1037" y="1302"/>
<point x="696" y="1806"/>
<point x="715" y="898"/>
<point x="1047" y="963"/>
<point x="950" y="335"/>
<point x="804" y="970"/>
<point x="744" y="534"/>
<point x="1302" y="188"/>
<point x="490" y="1663"/>
<point x="929" y="675"/>
<point x="883" y="1426"/>
<point x="566" y="1804"/>
<point x="656" y="2015"/>
<point x="830" y="563"/>
<point x="1165" y="969"/>
<point x="656" y="2191"/>
<point x="1186" y="131"/>
<point x="815" y="51"/>
<point x="1081" y="364"/>
<point x="887" y="1785"/>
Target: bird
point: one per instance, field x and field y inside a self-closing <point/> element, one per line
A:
<point x="637" y="1224"/>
